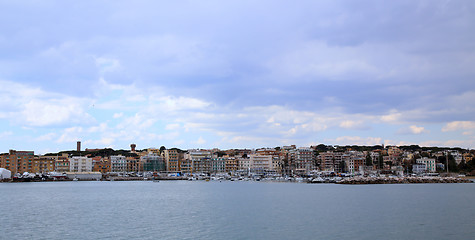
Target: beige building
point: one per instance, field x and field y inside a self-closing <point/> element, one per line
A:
<point x="17" y="161"/>
<point x="173" y="159"/>
<point x="43" y="164"/>
<point x="61" y="163"/>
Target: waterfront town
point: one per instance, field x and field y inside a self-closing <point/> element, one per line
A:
<point x="321" y="163"/>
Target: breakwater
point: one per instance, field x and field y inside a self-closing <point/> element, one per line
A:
<point x="401" y="180"/>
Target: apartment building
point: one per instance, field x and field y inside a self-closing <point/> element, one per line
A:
<point x="17" y="161"/>
<point x="61" y="163"/>
<point x="43" y="164"/>
<point x="80" y="164"/>
<point x="118" y="163"/>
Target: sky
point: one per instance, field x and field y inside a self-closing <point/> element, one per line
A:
<point x="236" y="74"/>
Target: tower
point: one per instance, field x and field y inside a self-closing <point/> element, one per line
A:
<point x="132" y="147"/>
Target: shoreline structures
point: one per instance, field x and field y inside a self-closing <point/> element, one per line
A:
<point x="347" y="181"/>
<point x="402" y="180"/>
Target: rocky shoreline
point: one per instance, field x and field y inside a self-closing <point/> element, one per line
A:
<point x="402" y="180"/>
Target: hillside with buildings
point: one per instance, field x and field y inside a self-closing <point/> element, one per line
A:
<point x="280" y="161"/>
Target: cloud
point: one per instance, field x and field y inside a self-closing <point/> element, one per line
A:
<point x="200" y="141"/>
<point x="118" y="115"/>
<point x="356" y="140"/>
<point x="172" y="126"/>
<point x="413" y="129"/>
<point x="351" y="124"/>
<point x="38" y="108"/>
<point x="458" y="125"/>
<point x="71" y="134"/>
<point x="312" y="70"/>
<point x="46" y="137"/>
<point x="107" y="64"/>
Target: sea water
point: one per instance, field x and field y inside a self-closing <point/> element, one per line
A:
<point x="235" y="210"/>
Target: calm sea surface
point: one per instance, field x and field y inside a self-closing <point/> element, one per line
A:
<point x="235" y="210"/>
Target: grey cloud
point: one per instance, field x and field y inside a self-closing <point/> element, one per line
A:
<point x="422" y="51"/>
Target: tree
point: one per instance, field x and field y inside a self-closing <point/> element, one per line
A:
<point x="380" y="161"/>
<point x="321" y="148"/>
<point x="452" y="164"/>
<point x="342" y="166"/>
<point x="369" y="160"/>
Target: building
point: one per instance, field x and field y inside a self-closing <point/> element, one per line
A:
<point x="153" y="163"/>
<point x="61" y="163"/>
<point x="17" y="161"/>
<point x="218" y="165"/>
<point x="80" y="164"/>
<point x="173" y="158"/>
<point x="102" y="165"/>
<point x="428" y="162"/>
<point x="458" y="157"/>
<point x="353" y="161"/>
<point x="331" y="161"/>
<point x="302" y="160"/>
<point x="134" y="164"/>
<point x="244" y="163"/>
<point x="197" y="161"/>
<point x="43" y="164"/>
<point x="260" y="164"/>
<point x="419" y="168"/>
<point x="118" y="163"/>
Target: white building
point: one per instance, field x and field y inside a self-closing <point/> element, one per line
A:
<point x="261" y="163"/>
<point x="80" y="164"/>
<point x="118" y="163"/>
<point x="419" y="168"/>
<point x="244" y="163"/>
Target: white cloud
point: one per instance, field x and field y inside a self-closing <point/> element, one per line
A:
<point x="352" y="124"/>
<point x="200" y="141"/>
<point x="71" y="134"/>
<point x="171" y="104"/>
<point x="172" y="126"/>
<point x="107" y="64"/>
<point x="356" y="140"/>
<point x="458" y="125"/>
<point x="392" y="116"/>
<point x="139" y="121"/>
<point x="413" y="129"/>
<point x="54" y="112"/>
<point x="118" y="115"/>
<point x="46" y="137"/>
<point x="30" y="106"/>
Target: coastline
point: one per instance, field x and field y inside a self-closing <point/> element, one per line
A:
<point x="346" y="181"/>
